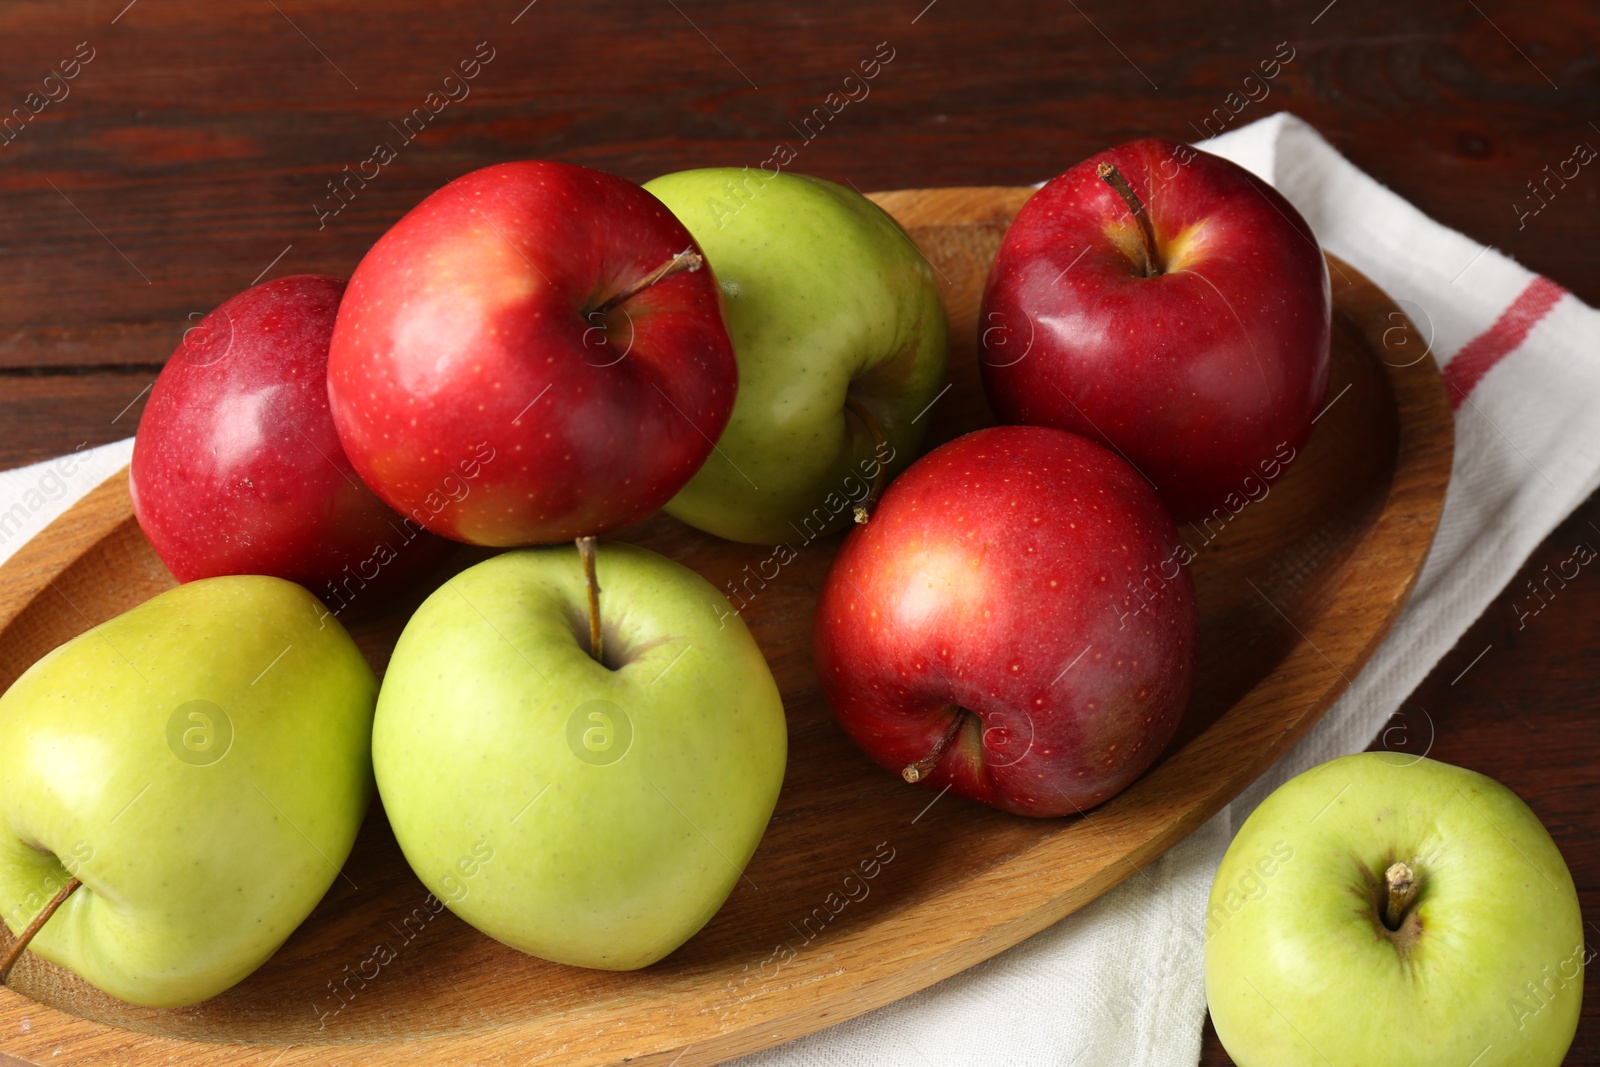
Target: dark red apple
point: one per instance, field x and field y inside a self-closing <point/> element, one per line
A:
<point x="1012" y="622"/>
<point x="237" y="468"/>
<point x="1198" y="349"/>
<point x="536" y="321"/>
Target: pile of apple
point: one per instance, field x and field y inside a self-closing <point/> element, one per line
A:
<point x="1016" y="621"/>
<point x="578" y="746"/>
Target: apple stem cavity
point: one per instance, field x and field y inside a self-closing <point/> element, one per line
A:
<point x="1402" y="885"/>
<point x="586" y="550"/>
<point x="919" y="770"/>
<point x="1113" y="177"/>
<point x="863" y="510"/>
<point x="19" y="944"/>
<point x="688" y="259"/>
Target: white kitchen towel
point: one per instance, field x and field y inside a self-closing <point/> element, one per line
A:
<point x="1120" y="981"/>
<point x="32" y="497"/>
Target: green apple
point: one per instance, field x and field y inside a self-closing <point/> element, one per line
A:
<point x="836" y="323"/>
<point x="201" y="764"/>
<point x="1388" y="909"/>
<point x="592" y="814"/>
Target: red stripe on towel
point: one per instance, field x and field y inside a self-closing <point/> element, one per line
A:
<point x="1480" y="354"/>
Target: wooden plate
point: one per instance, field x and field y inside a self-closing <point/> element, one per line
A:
<point x="1295" y="592"/>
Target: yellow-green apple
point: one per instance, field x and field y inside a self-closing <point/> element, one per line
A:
<point x="238" y="469"/>
<point x="1011" y="623"/>
<point x="1390" y="909"/>
<point x="841" y="339"/>
<point x="553" y="318"/>
<point x="1170" y="304"/>
<point x="200" y="764"/>
<point x="592" y="813"/>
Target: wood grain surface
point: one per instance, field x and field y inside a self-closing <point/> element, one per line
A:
<point x="192" y="147"/>
<point x="1295" y="591"/>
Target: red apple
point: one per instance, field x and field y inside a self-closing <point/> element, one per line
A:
<point x="238" y="470"/>
<point x="1011" y="622"/>
<point x="1198" y="350"/>
<point x="532" y="323"/>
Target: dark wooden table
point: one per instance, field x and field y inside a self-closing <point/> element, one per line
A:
<point x="182" y="150"/>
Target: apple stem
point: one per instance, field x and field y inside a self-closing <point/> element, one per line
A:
<point x="1402" y="884"/>
<point x="586" y="549"/>
<point x="19" y="944"/>
<point x="1113" y="177"/>
<point x="863" y="510"/>
<point x="688" y="259"/>
<point x="919" y="770"/>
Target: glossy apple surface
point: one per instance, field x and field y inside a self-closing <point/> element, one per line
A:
<point x="202" y="764"/>
<point x="1020" y="586"/>
<point x="1203" y="376"/>
<point x="237" y="468"/>
<point x="595" y="815"/>
<point x="836" y="319"/>
<point x="1484" y="966"/>
<point x="480" y="388"/>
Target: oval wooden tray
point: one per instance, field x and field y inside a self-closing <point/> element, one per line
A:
<point x="1295" y="593"/>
